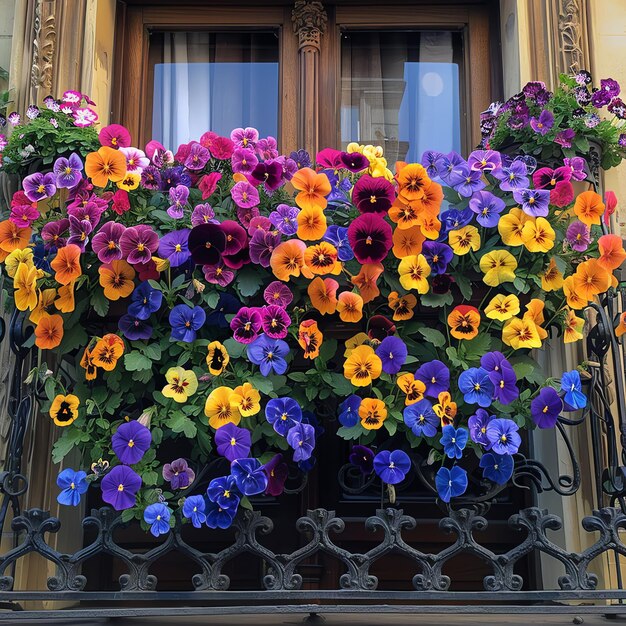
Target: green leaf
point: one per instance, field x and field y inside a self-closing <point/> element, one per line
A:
<point x="248" y="281"/>
<point x="245" y="503"/>
<point x="235" y="349"/>
<point x="135" y="361"/>
<point x="74" y="337"/>
<point x="180" y="423"/>
<point x="433" y="336"/>
<point x="152" y="351"/>
<point x="350" y="434"/>
<point x="328" y="350"/>
<point x="263" y="384"/>
<point x="474" y="349"/>
<point x="391" y="426"/>
<point x="341" y="385"/>
<point x="99" y="302"/>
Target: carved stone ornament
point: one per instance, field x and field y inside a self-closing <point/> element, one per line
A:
<point x="309" y="22"/>
<point x="572" y="48"/>
<point x="44" y="44"/>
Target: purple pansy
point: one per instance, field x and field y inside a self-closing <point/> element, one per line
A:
<point x="249" y="476"/>
<point x="534" y="202"/>
<point x="278" y="293"/>
<point x="363" y="458"/>
<point x="269" y="354"/>
<point x="512" y="177"/>
<point x="262" y="245"/>
<point x="138" y="244"/>
<point x="301" y="437"/>
<point x="546" y="408"/>
<point x="203" y="214"/>
<point x="275" y="321"/>
<point x="543" y="123"/>
<point x="503" y="436"/>
<point x="79" y="232"/>
<point x="277" y="472"/>
<point x="131" y="441"/>
<point x="484" y="160"/>
<point x="134" y="328"/>
<point x="233" y="442"/>
<point x="39" y="186"/>
<point x="578" y="236"/>
<point x="504" y="383"/>
<point x="466" y="181"/>
<point x="106" y="242"/>
<point x="283" y="414"/>
<point x="68" y="171"/>
<point x="178" y="197"/>
<point x="243" y="160"/>
<point x="285" y="219"/>
<point x="178" y="474"/>
<point x="565" y="137"/>
<point x="437" y="255"/>
<point x="338" y="237"/>
<point x="173" y="247"/>
<point x="436" y="376"/>
<point x="477" y="425"/>
<point x="186" y="321"/>
<point x="247" y="324"/>
<point x="421" y="419"/>
<point x="349" y="411"/>
<point x="218" y="274"/>
<point x="52" y="233"/>
<point x="476" y="387"/>
<point x="577" y="166"/>
<point x="245" y="195"/>
<point x="197" y="157"/>
<point x="487" y="208"/>
<point x="120" y="487"/>
<point x="145" y="301"/>
<point x="393" y="352"/>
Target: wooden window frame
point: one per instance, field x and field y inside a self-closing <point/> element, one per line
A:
<point x="480" y="80"/>
<point x="132" y="99"/>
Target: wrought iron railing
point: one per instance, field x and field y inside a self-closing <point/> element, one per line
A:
<point x="356" y="587"/>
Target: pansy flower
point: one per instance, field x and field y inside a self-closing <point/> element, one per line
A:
<point x="217" y="517"/>
<point x="362" y="366"/>
<point x="312" y="187"/>
<point x="145" y="301"/>
<point x="105" y="165"/>
<point x="243" y="160"/>
<point x="502" y="307"/>
<point x="402" y="306"/>
<point x="412" y="179"/>
<point x="267" y="173"/>
<point x="285" y="219"/>
<point x="217" y="358"/>
<point x="117" y="279"/>
<point x="414" y="271"/>
<point x="466" y="181"/>
<point x="350" y="307"/>
<point x="49" y="332"/>
<point x="363" y="458"/>
<point x="39" y="186"/>
<point x="504" y="381"/>
<point x="366" y="281"/>
<point x="73" y="485"/>
<point x="206" y="244"/>
<point x="232" y="442"/>
<point x="503" y="436"/>
<point x="513" y="177"/>
<point x="551" y="277"/>
<point x="484" y="160"/>
<point x="249" y="476"/>
<point x="421" y="418"/>
<point x="107" y="352"/>
<point x="370" y="238"/>
<point x="392" y="352"/>
<point x="225" y="492"/>
<point x="106" y="242"/>
<point x="546" y="408"/>
<point x="487" y="208"/>
<point x="186" y="321"/>
<point x="194" y="510"/>
<point x="464" y="321"/>
<point x="372" y="412"/>
<point x="323" y="294"/>
<point x="64" y="409"/>
<point x="321" y="258"/>
<point x="498" y="267"/>
<point x="349" y="411"/>
<point x="181" y="384"/>
<point x="138" y="244"/>
<point x="476" y="387"/>
<point x="262" y="245"/>
<point x="269" y="354"/>
<point x="451" y="483"/>
<point x="438" y="255"/>
<point x="310" y="338"/>
<point x="612" y="254"/>
<point x="534" y="202"/>
<point x="453" y="441"/>
<point x="134" y="328"/>
<point x="436" y="377"/>
<point x="114" y="136"/>
<point x="445" y="408"/>
<point x="131" y="441"/>
<point x="542" y="124"/>
<point x="413" y="388"/>
<point x="246" y="325"/>
<point x="219" y="409"/>
<point x="591" y="279"/>
<point x="277" y="472"/>
<point x="373" y="195"/>
<point x="68" y="171"/>
<point x="173" y="247"/>
<point x="278" y="293"/>
<point x="392" y="466"/>
<point x="572" y="388"/>
<point x="497" y="467"/>
<point x="283" y="414"/>
<point x="178" y="474"/>
<point x="120" y="487"/>
<point x="247" y="399"/>
<point x="301" y="438"/>
<point x="477" y="425"/>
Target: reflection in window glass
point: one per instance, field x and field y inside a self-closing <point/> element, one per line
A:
<point x="213" y="81"/>
<point x="401" y="90"/>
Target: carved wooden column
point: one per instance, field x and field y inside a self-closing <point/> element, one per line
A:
<point x="309" y="23"/>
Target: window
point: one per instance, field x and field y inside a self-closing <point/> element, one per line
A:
<point x="401" y="90"/>
<point x="213" y="80"/>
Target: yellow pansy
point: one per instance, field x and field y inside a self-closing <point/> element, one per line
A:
<point x="511" y="226"/>
<point x="412" y="387"/>
<point x="464" y="239"/>
<point x="551" y="278"/>
<point x="65" y="302"/>
<point x="538" y="235"/>
<point x="16" y="257"/>
<point x="354" y="342"/>
<point x="219" y="408"/>
<point x="520" y="333"/>
<point x="572" y="327"/>
<point x="414" y="270"/>
<point x="130" y="181"/>
<point x="362" y="366"/>
<point x="534" y="312"/>
<point x="181" y="384"/>
<point x="25" y="284"/>
<point x="44" y="305"/>
<point x="499" y="267"/>
<point x="502" y="307"/>
<point x="247" y="400"/>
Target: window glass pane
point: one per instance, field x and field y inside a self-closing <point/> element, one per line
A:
<point x="213" y="81"/>
<point x="401" y="90"/>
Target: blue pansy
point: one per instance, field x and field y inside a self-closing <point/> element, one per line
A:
<point x="158" y="516"/>
<point x="392" y="467"/>
<point x="73" y="485"/>
<point x="249" y="476"/>
<point x="193" y="509"/>
<point x="421" y="419"/>
<point x="301" y="438"/>
<point x="146" y="300"/>
<point x="217" y="517"/>
<point x="338" y="237"/>
<point x="269" y="354"/>
<point x="186" y="321"/>
<point x="349" y="411"/>
<point x="476" y="386"/>
<point x="226" y="305"/>
<point x="572" y="387"/>
<point x="454" y="441"/>
<point x="225" y="492"/>
<point x="451" y="483"/>
<point x="283" y="414"/>
<point x="503" y="436"/>
<point x="497" y="467"/>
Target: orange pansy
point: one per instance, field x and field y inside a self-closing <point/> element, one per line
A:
<point x="373" y="413"/>
<point x="323" y="294"/>
<point x="44" y="305"/>
<point x="464" y="321"/>
<point x="65" y="302"/>
<point x="288" y="260"/>
<point x="322" y="258"/>
<point x="534" y="312"/>
<point x="86" y="362"/>
<point x="116" y="279"/>
<point x="12" y="238"/>
<point x="49" y="331"/>
<point x="430" y="202"/>
<point x="430" y="226"/>
<point x="313" y="188"/>
<point x="366" y="279"/>
<point x="402" y="306"/>
<point x="446" y="409"/>
<point x="413" y="388"/>
<point x="66" y="264"/>
<point x="574" y="298"/>
<point x="310" y="338"/>
<point x="572" y="327"/>
<point x="591" y="279"/>
<point x="612" y="253"/>
<point x="407" y="241"/>
<point x="105" y="165"/>
<point x="107" y="352"/>
<point x="589" y="207"/>
<point x="311" y="224"/>
<point x="412" y="181"/>
<point x="350" y="306"/>
<point x="402" y="214"/>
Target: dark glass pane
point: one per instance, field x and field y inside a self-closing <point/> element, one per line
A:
<point x="213" y="81"/>
<point x="401" y="90"/>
